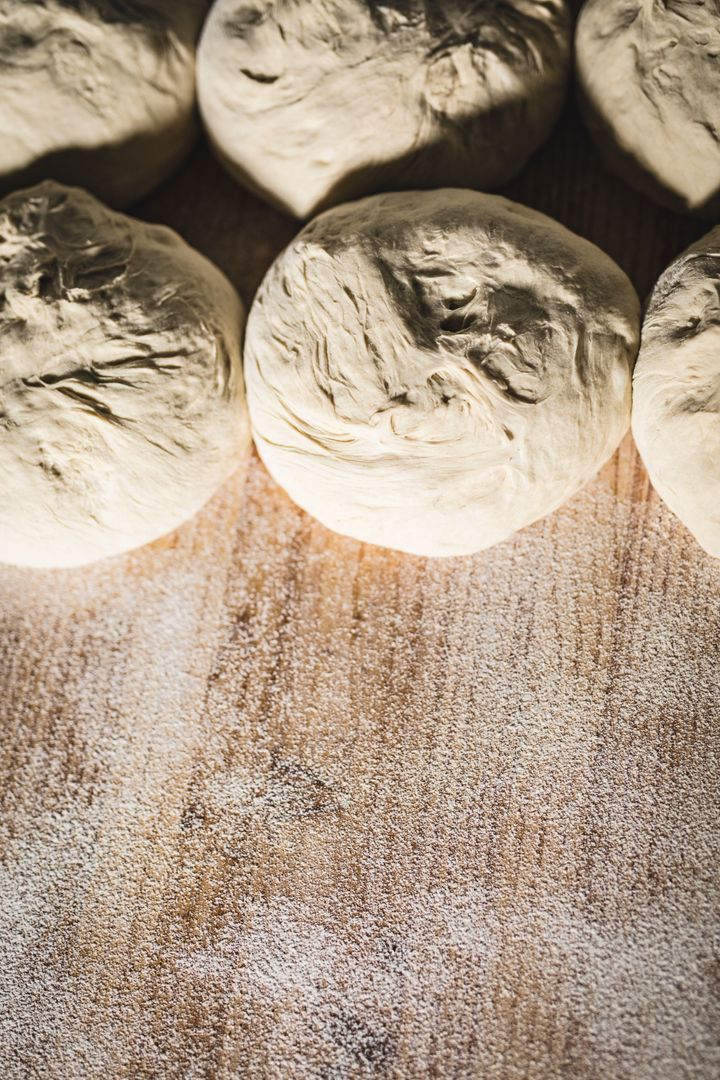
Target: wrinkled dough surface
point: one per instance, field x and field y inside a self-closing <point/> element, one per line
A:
<point x="121" y="397"/>
<point x="431" y="371"/>
<point x="676" y="402"/>
<point x="313" y="103"/>
<point x="649" y="74"/>
<point x="98" y="93"/>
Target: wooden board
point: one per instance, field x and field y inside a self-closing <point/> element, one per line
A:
<point x="279" y="805"/>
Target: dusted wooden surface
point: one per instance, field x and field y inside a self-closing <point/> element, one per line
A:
<point x="276" y="804"/>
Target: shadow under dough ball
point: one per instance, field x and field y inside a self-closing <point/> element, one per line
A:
<point x="98" y="93"/>
<point x="122" y="398"/>
<point x="649" y="82"/>
<point x="676" y="390"/>
<point x="431" y="371"/>
<point x="311" y="103"/>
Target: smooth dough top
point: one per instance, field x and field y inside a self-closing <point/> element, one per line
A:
<point x="650" y="73"/>
<point x="676" y="401"/>
<point x="315" y="102"/>
<point x="96" y="92"/>
<point x="121" y="397"/>
<point x="432" y="370"/>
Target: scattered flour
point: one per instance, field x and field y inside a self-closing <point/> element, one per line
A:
<point x="279" y="805"/>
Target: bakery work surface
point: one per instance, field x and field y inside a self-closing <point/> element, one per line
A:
<point x="277" y="804"/>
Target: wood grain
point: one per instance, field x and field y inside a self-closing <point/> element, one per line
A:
<point x="276" y="804"/>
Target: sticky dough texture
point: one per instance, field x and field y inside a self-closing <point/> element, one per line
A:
<point x="431" y="371"/>
<point x="98" y="93"/>
<point x="649" y="75"/>
<point x="313" y="103"/>
<point x="121" y="397"/>
<point x="676" y="405"/>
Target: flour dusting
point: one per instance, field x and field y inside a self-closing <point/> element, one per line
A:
<point x="279" y="805"/>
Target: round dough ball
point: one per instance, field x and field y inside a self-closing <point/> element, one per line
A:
<point x="122" y="396"/>
<point x="649" y="77"/>
<point x="98" y="93"/>
<point x="676" y="390"/>
<point x="311" y="103"/>
<point x="431" y="371"/>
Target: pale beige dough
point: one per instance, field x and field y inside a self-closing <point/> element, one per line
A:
<point x="98" y="93"/>
<point x="676" y="390"/>
<point x="312" y="102"/>
<point x="649" y="78"/>
<point x="121" y="396"/>
<point x="431" y="371"/>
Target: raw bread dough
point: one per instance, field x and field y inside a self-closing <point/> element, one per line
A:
<point x="676" y="402"/>
<point x="96" y="92"/>
<point x="431" y="371"/>
<point x="649" y="76"/>
<point x="122" y="405"/>
<point x="311" y="102"/>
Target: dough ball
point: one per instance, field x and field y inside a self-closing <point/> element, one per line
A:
<point x="649" y="76"/>
<point x="311" y="103"/>
<point x="431" y="371"/>
<point x="96" y="92"/>
<point x="122" y="398"/>
<point x="676" y="399"/>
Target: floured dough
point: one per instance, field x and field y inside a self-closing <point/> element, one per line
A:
<point x="96" y="92"/>
<point x="431" y="371"/>
<point x="676" y="402"/>
<point x="315" y="102"/>
<point x="122" y="397"/>
<point x="649" y="75"/>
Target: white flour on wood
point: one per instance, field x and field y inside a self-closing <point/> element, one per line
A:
<point x="253" y="826"/>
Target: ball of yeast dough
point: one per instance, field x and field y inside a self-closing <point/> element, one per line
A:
<point x="431" y="371"/>
<point x="312" y="102"/>
<point x="676" y="390"/>
<point x="122" y="400"/>
<point x="98" y="93"/>
<point x="649" y="77"/>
